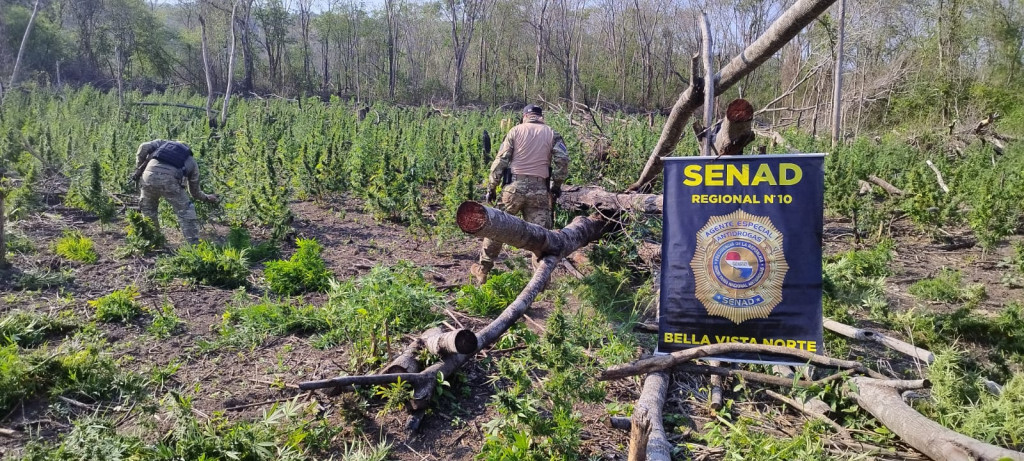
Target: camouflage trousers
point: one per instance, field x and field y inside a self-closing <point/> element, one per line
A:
<point x="157" y="185"/>
<point x="527" y="195"/>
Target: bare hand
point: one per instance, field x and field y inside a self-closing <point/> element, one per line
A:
<point x="212" y="198"/>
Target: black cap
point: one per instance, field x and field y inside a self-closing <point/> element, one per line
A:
<point x="532" y="109"/>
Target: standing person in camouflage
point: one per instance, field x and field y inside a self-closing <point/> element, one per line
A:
<point x="160" y="168"/>
<point x="539" y="163"/>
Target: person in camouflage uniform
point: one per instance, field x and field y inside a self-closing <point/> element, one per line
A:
<point x="161" y="166"/>
<point x="539" y="163"/>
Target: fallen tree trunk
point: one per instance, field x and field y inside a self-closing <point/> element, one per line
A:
<point x="868" y="335"/>
<point x="484" y="221"/>
<point x="649" y="406"/>
<point x="600" y="199"/>
<point x="787" y="26"/>
<point x="888" y="187"/>
<point x="665" y="362"/>
<point x="882" y="399"/>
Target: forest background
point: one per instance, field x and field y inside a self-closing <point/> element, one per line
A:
<point x="927" y="61"/>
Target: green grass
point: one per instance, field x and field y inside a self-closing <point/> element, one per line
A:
<point x="304" y="271"/>
<point x="948" y="287"/>
<point x="119" y="306"/>
<point x="494" y="295"/>
<point x="77" y="247"/>
<point x="1001" y="337"/>
<point x="370" y="313"/>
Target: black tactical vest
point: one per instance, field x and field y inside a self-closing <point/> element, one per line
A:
<point x="173" y="153"/>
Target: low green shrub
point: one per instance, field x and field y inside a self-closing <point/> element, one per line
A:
<point x="17" y="376"/>
<point x="960" y="402"/>
<point x="855" y="280"/>
<point x="207" y="264"/>
<point x="42" y="278"/>
<point x="948" y="286"/>
<point x="165" y="322"/>
<point x="248" y="325"/>
<point x="239" y="238"/>
<point x="81" y="367"/>
<point x="284" y="433"/>
<point x="304" y="271"/>
<point x="493" y="296"/>
<point x="77" y="247"/>
<point x="118" y="306"/>
<point x="377" y="309"/>
<point x="30" y="329"/>
<point x="141" y="235"/>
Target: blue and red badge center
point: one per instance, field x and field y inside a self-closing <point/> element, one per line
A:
<point x="739" y="266"/>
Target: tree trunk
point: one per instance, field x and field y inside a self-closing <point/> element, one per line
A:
<point x="591" y="197"/>
<point x="21" y="49"/>
<point x="650" y="404"/>
<point x="735" y="132"/>
<point x="231" y="68"/>
<point x="206" y="71"/>
<point x="707" y="48"/>
<point x="837" y="88"/>
<point x="3" y="230"/>
<point x="882" y="399"/>
<point x="781" y="31"/>
<point x="248" y="64"/>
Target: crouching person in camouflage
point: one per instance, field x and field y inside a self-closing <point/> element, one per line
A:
<point x="160" y="168"/>
<point x="539" y="163"/>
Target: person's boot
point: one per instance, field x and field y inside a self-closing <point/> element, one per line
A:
<point x="479" y="272"/>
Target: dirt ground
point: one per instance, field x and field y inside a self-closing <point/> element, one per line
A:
<point x="244" y="384"/>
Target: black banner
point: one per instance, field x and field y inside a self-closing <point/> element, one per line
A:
<point x="741" y="253"/>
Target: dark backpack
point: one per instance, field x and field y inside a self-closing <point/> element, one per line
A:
<point x="173" y="153"/>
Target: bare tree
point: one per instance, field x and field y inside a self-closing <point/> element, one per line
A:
<point x="462" y="16"/>
<point x="837" y="88"/>
<point x="391" y="15"/>
<point x="231" y="66"/>
<point x="24" y="41"/>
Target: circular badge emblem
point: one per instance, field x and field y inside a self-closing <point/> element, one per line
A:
<point x="739" y="266"/>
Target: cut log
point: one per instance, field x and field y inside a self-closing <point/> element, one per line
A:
<point x="618" y="422"/>
<point x="787" y="26"/>
<point x="868" y="335"/>
<point x="589" y="197"/>
<point x="715" y="397"/>
<point x="483" y="221"/>
<point x="649" y="406"/>
<point x="452" y="342"/>
<point x="667" y="361"/>
<point x="735" y="132"/>
<point x="891" y="189"/>
<point x="406" y="362"/>
<point x="882" y="399"/>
